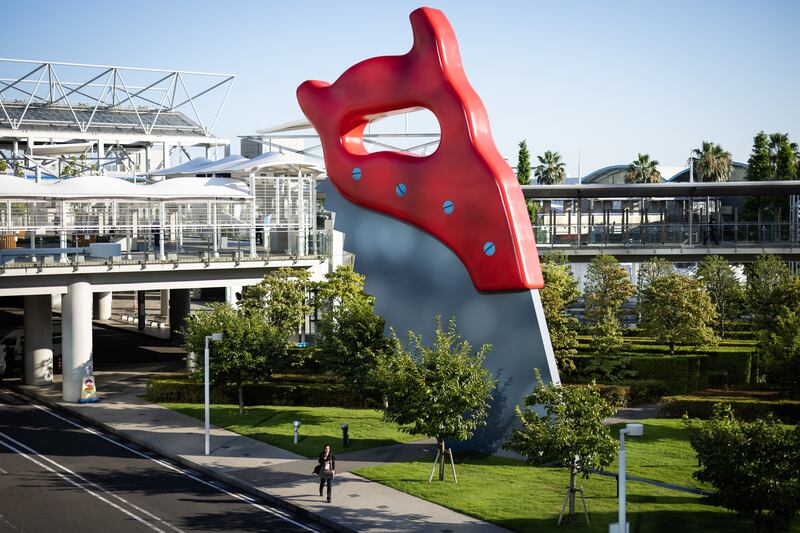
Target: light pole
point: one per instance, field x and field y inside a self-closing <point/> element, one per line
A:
<point x="634" y="430"/>
<point x="213" y="337"/>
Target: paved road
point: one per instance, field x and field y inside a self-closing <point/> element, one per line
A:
<point x="56" y="474"/>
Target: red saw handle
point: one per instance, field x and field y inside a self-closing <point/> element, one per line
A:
<point x="464" y="193"/>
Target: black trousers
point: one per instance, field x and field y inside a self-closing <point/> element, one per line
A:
<point x="322" y="482"/>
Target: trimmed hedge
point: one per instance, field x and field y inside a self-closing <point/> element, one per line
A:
<point x="788" y="411"/>
<point x="678" y="374"/>
<point x="632" y="393"/>
<point x="307" y="394"/>
<point x="730" y="368"/>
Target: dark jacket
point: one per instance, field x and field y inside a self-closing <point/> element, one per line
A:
<point x="331" y="458"/>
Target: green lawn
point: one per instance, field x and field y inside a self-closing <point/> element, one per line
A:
<point x="320" y="426"/>
<point x="525" y="498"/>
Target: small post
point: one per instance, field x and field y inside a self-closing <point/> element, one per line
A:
<point x="296" y="425"/>
<point x="345" y="435"/>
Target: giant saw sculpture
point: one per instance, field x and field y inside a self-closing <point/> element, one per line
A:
<point x="445" y="234"/>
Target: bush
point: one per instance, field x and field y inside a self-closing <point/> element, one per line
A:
<point x="309" y="394"/>
<point x="633" y="393"/>
<point x="734" y="365"/>
<point x="677" y="374"/>
<point x="787" y="411"/>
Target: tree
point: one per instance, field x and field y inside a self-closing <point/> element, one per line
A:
<point x="607" y="288"/>
<point x="767" y="280"/>
<point x="677" y="310"/>
<point x="523" y="164"/>
<point x="712" y="163"/>
<point x="779" y="346"/>
<point x="351" y="336"/>
<point x="754" y="467"/>
<point x="759" y="165"/>
<point x="3" y="166"/>
<point x="559" y="292"/>
<point x="441" y="390"/>
<point x="250" y="348"/>
<point x="564" y="425"/>
<point x="643" y="170"/>
<point x="723" y="287"/>
<point x="533" y="210"/>
<point x="551" y="170"/>
<point x="651" y="270"/>
<point x="783" y="156"/>
<point x="281" y="299"/>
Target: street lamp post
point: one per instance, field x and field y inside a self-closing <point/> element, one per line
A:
<point x="213" y="337"/>
<point x="634" y="430"/>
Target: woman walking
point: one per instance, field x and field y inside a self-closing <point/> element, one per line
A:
<point x="327" y="469"/>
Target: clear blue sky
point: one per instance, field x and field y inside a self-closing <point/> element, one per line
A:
<point x="608" y="79"/>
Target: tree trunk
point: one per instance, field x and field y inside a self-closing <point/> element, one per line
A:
<point x="240" y="386"/>
<point x="573" y="471"/>
<point x="440" y="440"/>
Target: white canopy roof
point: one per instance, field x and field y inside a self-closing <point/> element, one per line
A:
<point x="273" y="160"/>
<point x="103" y="188"/>
<point x="184" y="168"/>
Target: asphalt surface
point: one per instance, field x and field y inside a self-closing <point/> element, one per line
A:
<point x="57" y="474"/>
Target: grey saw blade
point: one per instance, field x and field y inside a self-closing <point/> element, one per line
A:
<point x="414" y="278"/>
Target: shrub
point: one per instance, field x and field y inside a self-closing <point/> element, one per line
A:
<point x="788" y="411"/>
<point x="734" y="365"/>
<point x="307" y="394"/>
<point x="678" y="374"/>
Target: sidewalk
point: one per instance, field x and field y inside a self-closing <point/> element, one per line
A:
<point x="277" y="475"/>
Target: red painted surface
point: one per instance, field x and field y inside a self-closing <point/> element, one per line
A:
<point x="466" y="169"/>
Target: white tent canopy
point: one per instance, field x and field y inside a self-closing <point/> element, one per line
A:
<point x="184" y="168"/>
<point x="104" y="188"/>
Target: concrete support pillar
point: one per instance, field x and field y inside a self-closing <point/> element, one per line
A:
<point x="180" y="304"/>
<point x="162" y="234"/>
<point x="101" y="154"/>
<point x="253" y="218"/>
<point x="230" y="294"/>
<point x="62" y="232"/>
<point x="102" y="305"/>
<point x="147" y="158"/>
<point x="141" y="304"/>
<point x="38" y="357"/>
<point x="76" y="334"/>
<point x="164" y="302"/>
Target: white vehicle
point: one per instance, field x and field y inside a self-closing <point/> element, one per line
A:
<point x="12" y="348"/>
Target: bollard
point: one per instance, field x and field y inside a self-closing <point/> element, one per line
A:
<point x="345" y="435"/>
<point x="296" y="425"/>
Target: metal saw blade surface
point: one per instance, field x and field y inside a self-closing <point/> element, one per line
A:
<point x="414" y="278"/>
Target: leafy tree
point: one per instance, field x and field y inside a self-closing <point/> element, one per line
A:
<point x="779" y="345"/>
<point x="551" y="170"/>
<point x="712" y="163"/>
<point x="651" y="270"/>
<point x="767" y="280"/>
<point x="723" y="287"/>
<point x="677" y="309"/>
<point x="759" y="165"/>
<point x="3" y="166"/>
<point x="250" y="348"/>
<point x="643" y="170"/>
<point x="351" y="336"/>
<point x="564" y="425"/>
<point x="441" y="390"/>
<point x="281" y="299"/>
<point x="607" y="288"/>
<point x="754" y="467"/>
<point x="783" y="156"/>
<point x="559" y="292"/>
<point x="533" y="210"/>
<point x="523" y="164"/>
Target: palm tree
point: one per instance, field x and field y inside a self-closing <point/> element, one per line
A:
<point x="551" y="169"/>
<point x="712" y="163"/>
<point x="643" y="170"/>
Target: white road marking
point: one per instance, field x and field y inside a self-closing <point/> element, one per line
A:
<point x="91" y="483"/>
<point x="65" y="478"/>
<point x="242" y="497"/>
<point x="3" y="471"/>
